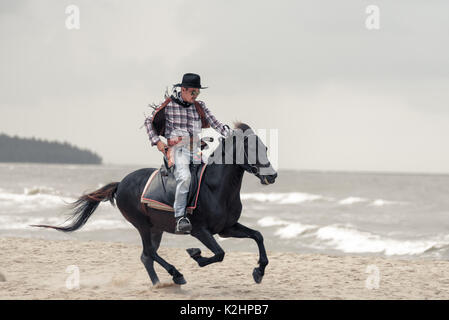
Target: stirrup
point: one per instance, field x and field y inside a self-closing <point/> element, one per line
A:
<point x="186" y="228"/>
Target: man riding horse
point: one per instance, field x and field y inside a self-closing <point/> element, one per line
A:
<point x="219" y="206"/>
<point x="180" y="120"/>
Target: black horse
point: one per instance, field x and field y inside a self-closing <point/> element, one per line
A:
<point x="218" y="207"/>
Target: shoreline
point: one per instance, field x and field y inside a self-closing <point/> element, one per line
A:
<point x="46" y="269"/>
<point x="244" y="245"/>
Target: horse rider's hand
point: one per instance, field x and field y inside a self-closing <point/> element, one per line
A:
<point x="162" y="147"/>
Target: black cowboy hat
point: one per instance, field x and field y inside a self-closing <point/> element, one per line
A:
<point x="190" y="80"/>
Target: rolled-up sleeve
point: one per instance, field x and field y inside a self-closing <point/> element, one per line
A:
<point x="222" y="129"/>
<point x="154" y="138"/>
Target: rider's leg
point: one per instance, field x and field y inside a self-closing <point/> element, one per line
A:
<point x="183" y="177"/>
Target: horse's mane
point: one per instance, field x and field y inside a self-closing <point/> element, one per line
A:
<point x="242" y="126"/>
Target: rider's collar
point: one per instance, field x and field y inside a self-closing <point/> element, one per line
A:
<point x="177" y="97"/>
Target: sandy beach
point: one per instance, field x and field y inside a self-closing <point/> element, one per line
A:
<point x="45" y="269"/>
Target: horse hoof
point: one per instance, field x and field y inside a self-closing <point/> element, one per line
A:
<point x="156" y="283"/>
<point x="179" y="280"/>
<point x="257" y="275"/>
<point x="195" y="253"/>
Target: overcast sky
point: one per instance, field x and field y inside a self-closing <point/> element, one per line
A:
<point x="343" y="97"/>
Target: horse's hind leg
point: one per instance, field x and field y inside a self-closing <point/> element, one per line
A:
<point x="240" y="231"/>
<point x="209" y="241"/>
<point x="151" y="241"/>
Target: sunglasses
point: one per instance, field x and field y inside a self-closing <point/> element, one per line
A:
<point x="195" y="93"/>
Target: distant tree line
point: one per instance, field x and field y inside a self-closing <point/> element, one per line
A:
<point x="15" y="149"/>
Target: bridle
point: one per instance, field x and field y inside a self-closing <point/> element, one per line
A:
<point x="252" y="168"/>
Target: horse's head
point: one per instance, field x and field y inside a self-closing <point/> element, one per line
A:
<point x="247" y="150"/>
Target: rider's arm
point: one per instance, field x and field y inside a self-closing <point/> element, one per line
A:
<point x="154" y="138"/>
<point x="222" y="129"/>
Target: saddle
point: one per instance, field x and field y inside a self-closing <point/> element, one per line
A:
<point x="159" y="192"/>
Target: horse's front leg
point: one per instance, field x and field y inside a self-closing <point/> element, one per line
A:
<point x="209" y="241"/>
<point x="240" y="231"/>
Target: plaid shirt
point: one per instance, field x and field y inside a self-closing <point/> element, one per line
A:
<point x="181" y="121"/>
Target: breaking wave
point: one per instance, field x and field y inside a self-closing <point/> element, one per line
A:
<point x="348" y="239"/>
<point x="25" y="222"/>
<point x="281" y="198"/>
<point x="33" y="199"/>
<point x="301" y="197"/>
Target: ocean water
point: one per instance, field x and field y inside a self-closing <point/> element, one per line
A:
<point x="380" y="214"/>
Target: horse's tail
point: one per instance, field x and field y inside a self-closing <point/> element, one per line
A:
<point x="85" y="206"/>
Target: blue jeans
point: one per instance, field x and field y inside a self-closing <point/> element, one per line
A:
<point x="181" y="158"/>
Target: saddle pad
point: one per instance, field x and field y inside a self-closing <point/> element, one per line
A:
<point x="160" y="189"/>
